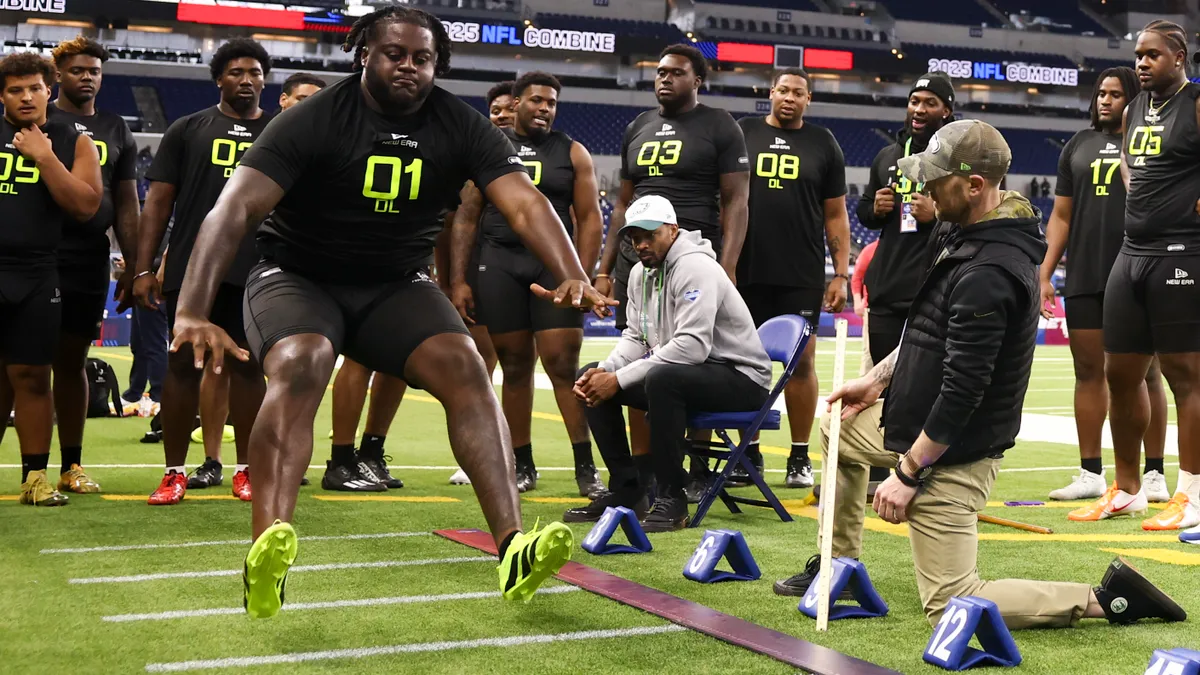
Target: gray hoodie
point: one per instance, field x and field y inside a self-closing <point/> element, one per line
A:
<point x="686" y="312"/>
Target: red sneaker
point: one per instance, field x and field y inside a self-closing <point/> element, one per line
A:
<point x="170" y="491"/>
<point x="241" y="485"/>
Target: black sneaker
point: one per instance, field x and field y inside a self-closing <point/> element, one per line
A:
<point x="797" y="585"/>
<point x="206" y="475"/>
<point x="587" y="479"/>
<point x="592" y="512"/>
<point x="304" y="482"/>
<point x="739" y="477"/>
<point x="699" y="476"/>
<point x="343" y="478"/>
<point x="526" y="477"/>
<point x="375" y="469"/>
<point x="667" y="515"/>
<point x="1126" y="596"/>
<point x="799" y="472"/>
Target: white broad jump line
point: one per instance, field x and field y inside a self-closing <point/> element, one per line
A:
<point x="335" y="604"/>
<point x="134" y="578"/>
<point x="226" y="542"/>
<point x="363" y="652"/>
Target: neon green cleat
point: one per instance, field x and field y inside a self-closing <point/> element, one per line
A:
<point x="531" y="558"/>
<point x="265" y="573"/>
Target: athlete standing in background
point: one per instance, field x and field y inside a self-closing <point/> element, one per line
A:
<point x="797" y="205"/>
<point x="50" y="182"/>
<point x="523" y="327"/>
<point x="1088" y="223"/>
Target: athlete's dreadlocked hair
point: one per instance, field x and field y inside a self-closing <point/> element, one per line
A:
<point x="364" y="30"/>
<point x="80" y="46"/>
<point x="504" y="88"/>
<point x="1173" y="33"/>
<point x="238" y="48"/>
<point x="1129" y="84"/>
<point x="24" y="64"/>
<point x="536" y="77"/>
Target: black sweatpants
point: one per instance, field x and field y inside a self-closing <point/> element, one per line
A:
<point x="667" y="394"/>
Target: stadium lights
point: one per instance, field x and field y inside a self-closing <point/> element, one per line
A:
<point x="689" y="33"/>
<point x="528" y="22"/>
<point x="59" y="22"/>
<point x="894" y="50"/>
<point x="150" y="29"/>
<point x="900" y="56"/>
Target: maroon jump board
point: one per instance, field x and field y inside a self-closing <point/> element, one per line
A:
<point x="793" y="651"/>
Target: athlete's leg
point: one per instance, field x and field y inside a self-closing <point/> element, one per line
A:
<point x="517" y="355"/>
<point x="349" y="397"/>
<point x="387" y="393"/>
<point x="483" y="343"/>
<point x="70" y="388"/>
<point x="1091" y="391"/>
<point x="559" y="352"/>
<point x="1155" y="440"/>
<point x="801" y="393"/>
<point x="33" y="406"/>
<point x="214" y="411"/>
<point x="1183" y="375"/>
<point x="1129" y="349"/>
<point x="180" y="405"/>
<point x="245" y="399"/>
<point x="6" y="399"/>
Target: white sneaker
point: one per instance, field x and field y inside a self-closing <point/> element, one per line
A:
<point x="1154" y="486"/>
<point x="460" y="478"/>
<point x="1086" y="485"/>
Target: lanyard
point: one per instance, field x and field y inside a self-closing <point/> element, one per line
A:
<point x="659" y="282"/>
<point x="907" y="151"/>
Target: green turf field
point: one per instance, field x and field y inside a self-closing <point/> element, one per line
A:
<point x="445" y="594"/>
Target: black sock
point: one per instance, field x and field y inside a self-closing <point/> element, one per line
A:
<point x="343" y="455"/>
<point x="74" y="454"/>
<point x="754" y="453"/>
<point x="372" y="445"/>
<point x="645" y="469"/>
<point x="583" y="453"/>
<point x="799" y="450"/>
<point x="33" y="463"/>
<point x="504" y="544"/>
<point x="1096" y="466"/>
<point x="1154" y="465"/>
<point x="524" y="454"/>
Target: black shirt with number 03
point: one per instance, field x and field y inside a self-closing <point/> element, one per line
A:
<point x="31" y="222"/>
<point x="1089" y="173"/>
<point x="1162" y="153"/>
<point x="364" y="192"/>
<point x="682" y="158"/>
<point x="197" y="155"/>
<point x="792" y="173"/>
<point x="552" y="172"/>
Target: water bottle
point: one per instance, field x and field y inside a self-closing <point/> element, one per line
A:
<point x="146" y="406"/>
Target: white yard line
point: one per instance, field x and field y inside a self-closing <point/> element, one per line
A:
<point x="135" y="578"/>
<point x="411" y="648"/>
<point x="226" y="542"/>
<point x="334" y="604"/>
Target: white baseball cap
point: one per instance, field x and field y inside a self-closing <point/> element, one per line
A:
<point x="648" y="213"/>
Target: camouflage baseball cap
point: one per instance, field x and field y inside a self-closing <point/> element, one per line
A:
<point x="964" y="148"/>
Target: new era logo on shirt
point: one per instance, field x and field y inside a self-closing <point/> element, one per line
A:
<point x="80" y="127"/>
<point x="396" y="137"/>
<point x="239" y="130"/>
<point x="1110" y="149"/>
<point x="667" y="130"/>
<point x="1180" y="274"/>
<point x="780" y="144"/>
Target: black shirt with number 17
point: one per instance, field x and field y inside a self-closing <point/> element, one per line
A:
<point x="792" y="173"/>
<point x="364" y="192"/>
<point x="1089" y="173"/>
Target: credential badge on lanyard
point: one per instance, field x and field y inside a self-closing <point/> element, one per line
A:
<point x="908" y="222"/>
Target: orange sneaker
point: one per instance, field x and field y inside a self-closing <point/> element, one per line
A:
<point x="1180" y="514"/>
<point x="1114" y="504"/>
<point x="170" y="491"/>
<point x="241" y="485"/>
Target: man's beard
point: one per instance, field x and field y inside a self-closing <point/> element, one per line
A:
<point x="931" y="127"/>
<point x="79" y="100"/>
<point x="535" y="134"/>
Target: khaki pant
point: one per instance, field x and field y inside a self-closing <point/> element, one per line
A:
<point x="942" y="529"/>
<point x="866" y="364"/>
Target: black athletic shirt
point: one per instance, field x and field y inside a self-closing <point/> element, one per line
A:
<point x="198" y="155"/>
<point x="118" y="161"/>
<point x="1163" y="156"/>
<point x="31" y="222"/>
<point x="550" y="167"/>
<point x="1089" y="172"/>
<point x="682" y="158"/>
<point x="365" y="192"/>
<point x="792" y="173"/>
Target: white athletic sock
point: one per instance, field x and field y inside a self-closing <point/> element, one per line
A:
<point x="1189" y="483"/>
<point x="241" y="467"/>
<point x="176" y="469"/>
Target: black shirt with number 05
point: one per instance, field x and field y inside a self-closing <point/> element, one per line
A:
<point x="792" y="173"/>
<point x="364" y="192"/>
<point x="198" y="155"/>
<point x="1089" y="173"/>
<point x="1162" y="152"/>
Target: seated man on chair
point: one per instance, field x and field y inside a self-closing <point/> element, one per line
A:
<point x="956" y="385"/>
<point x="690" y="344"/>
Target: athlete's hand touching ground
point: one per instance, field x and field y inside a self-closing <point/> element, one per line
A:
<point x="203" y="336"/>
<point x="577" y="294"/>
<point x="464" y="302"/>
<point x="1048" y="299"/>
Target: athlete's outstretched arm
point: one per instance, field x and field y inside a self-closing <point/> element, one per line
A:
<point x="589" y="224"/>
<point x="735" y="194"/>
<point x="1057" y="231"/>
<point x="244" y="202"/>
<point x="612" y="243"/>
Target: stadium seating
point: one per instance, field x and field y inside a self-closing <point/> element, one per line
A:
<point x="1057" y="17"/>
<point x="967" y="12"/>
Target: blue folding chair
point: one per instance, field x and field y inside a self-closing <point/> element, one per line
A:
<point x="784" y="338"/>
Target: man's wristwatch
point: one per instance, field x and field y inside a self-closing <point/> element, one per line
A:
<point x="913" y="481"/>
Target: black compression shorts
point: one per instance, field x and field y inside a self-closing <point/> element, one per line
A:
<point x="503" y="301"/>
<point x="1152" y="305"/>
<point x="767" y="302"/>
<point x="1085" y="312"/>
<point x="226" y="311"/>
<point x="84" y="286"/>
<point x="377" y="325"/>
<point x="30" y="317"/>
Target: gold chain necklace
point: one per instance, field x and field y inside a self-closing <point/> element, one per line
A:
<point x="1152" y="116"/>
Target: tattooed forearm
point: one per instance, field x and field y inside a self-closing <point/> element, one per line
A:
<point x="882" y="372"/>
